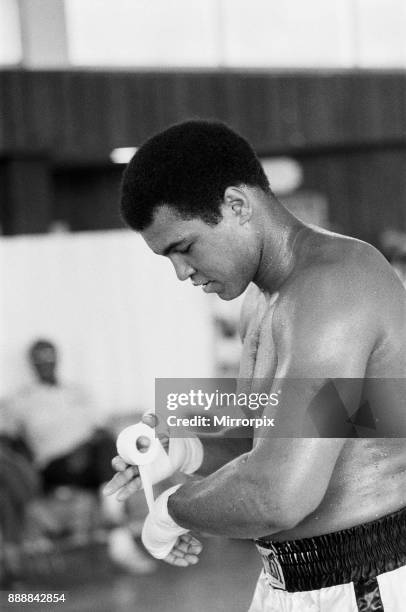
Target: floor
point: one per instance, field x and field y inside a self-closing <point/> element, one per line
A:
<point x="224" y="580"/>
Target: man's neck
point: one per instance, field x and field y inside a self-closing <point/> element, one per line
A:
<point x="278" y="254"/>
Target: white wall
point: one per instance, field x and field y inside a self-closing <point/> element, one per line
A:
<point x="117" y="312"/>
<point x="237" y="33"/>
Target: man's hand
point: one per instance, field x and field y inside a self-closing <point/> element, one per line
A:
<point x="185" y="455"/>
<point x="164" y="539"/>
<point x="185" y="552"/>
<point x="127" y="480"/>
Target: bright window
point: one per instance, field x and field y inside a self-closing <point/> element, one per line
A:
<point x="288" y="33"/>
<point x="142" y="32"/>
<point x="381" y="33"/>
<point x="10" y="42"/>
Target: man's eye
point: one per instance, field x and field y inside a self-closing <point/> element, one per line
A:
<point x="186" y="250"/>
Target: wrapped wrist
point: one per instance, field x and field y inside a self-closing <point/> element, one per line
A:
<point x="160" y="532"/>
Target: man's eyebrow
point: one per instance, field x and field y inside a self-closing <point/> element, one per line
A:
<point x="171" y="246"/>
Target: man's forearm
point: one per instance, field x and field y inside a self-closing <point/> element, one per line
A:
<point x="231" y="502"/>
<point x="219" y="450"/>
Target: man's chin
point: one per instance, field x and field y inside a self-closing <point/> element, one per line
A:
<point x="237" y="292"/>
<point x="224" y="293"/>
<point x="228" y="296"/>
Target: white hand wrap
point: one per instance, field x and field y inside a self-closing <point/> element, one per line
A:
<point x="184" y="454"/>
<point x="160" y="531"/>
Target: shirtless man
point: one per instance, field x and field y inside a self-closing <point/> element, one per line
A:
<point x="326" y="513"/>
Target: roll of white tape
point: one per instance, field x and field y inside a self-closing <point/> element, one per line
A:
<point x="128" y="448"/>
<point x="142" y="455"/>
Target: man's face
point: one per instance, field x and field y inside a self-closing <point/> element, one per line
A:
<point x="216" y="257"/>
<point x="43" y="360"/>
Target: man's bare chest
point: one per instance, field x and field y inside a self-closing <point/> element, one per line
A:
<point x="259" y="357"/>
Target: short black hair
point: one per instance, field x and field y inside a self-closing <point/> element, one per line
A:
<point x="188" y="167"/>
<point x="40" y="344"/>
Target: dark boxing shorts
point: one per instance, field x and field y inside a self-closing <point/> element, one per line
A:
<point x="355" y="570"/>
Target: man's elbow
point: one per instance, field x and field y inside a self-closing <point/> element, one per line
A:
<point x="281" y="519"/>
<point x="284" y="512"/>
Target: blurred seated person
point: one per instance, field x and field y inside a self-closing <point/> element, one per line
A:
<point x="58" y="423"/>
<point x="18" y="486"/>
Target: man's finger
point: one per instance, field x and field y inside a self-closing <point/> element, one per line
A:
<point x="113" y="485"/>
<point x="121" y="479"/>
<point x="182" y="546"/>
<point x="178" y="561"/>
<point x="176" y="552"/>
<point x="129" y="489"/>
<point x="150" y="419"/>
<point x="191" y="559"/>
<point x="190" y="539"/>
<point x="118" y="464"/>
<point x="195" y="549"/>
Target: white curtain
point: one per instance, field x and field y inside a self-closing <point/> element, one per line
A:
<point x="116" y="311"/>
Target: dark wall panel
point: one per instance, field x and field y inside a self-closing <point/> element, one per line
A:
<point x="84" y="114"/>
<point x="27" y="191"/>
<point x="349" y="129"/>
<point x="366" y="190"/>
<point x="87" y="199"/>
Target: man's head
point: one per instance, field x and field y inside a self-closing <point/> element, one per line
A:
<point x="189" y="191"/>
<point x="42" y="355"/>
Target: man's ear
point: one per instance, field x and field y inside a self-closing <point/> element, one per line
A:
<point x="238" y="203"/>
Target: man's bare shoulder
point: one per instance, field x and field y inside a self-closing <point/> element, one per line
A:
<point x="335" y="269"/>
<point x="340" y="287"/>
<point x="335" y="278"/>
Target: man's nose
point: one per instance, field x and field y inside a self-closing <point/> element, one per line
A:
<point x="182" y="268"/>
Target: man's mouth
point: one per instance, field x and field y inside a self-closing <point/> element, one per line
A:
<point x="206" y="286"/>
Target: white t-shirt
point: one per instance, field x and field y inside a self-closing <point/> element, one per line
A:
<point x="53" y="419"/>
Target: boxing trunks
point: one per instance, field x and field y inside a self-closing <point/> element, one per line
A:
<point x="361" y="569"/>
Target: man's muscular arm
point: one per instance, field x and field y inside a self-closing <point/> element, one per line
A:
<point x="221" y="448"/>
<point x="279" y="482"/>
<point x="217" y="451"/>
